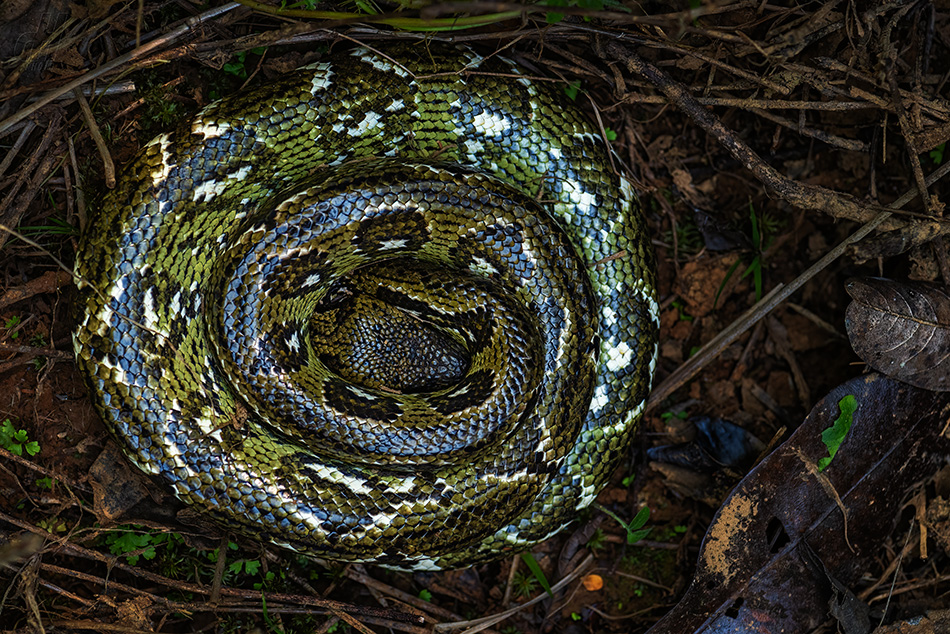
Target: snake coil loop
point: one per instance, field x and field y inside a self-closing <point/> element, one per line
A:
<point x="387" y="308"/>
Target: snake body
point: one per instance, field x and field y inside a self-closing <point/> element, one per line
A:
<point x="254" y="276"/>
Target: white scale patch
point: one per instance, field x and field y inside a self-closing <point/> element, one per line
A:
<point x="379" y="63"/>
<point x="386" y="245"/>
<point x="482" y="267"/>
<point x="162" y="171"/>
<point x="206" y="424"/>
<point x="654" y="358"/>
<point x="369" y="122"/>
<point x="588" y="494"/>
<point x="619" y="356"/>
<point x="149" y="317"/>
<point x="118" y="374"/>
<point x="308" y="519"/>
<point x="626" y="190"/>
<point x="584" y="201"/>
<point x="491" y="124"/>
<point x="355" y="485"/>
<point x="459" y="392"/>
<point x="421" y="564"/>
<point x="473" y="147"/>
<point x="312" y="280"/>
<point x="587" y="136"/>
<point x="293" y="342"/>
<point x="474" y="59"/>
<point x="171" y="451"/>
<point x="322" y="77"/>
<point x="175" y="306"/>
<point x="599" y="401"/>
<point x="361" y="393"/>
<point x="210" y="129"/>
<point x="396" y="106"/>
<point x="211" y="188"/>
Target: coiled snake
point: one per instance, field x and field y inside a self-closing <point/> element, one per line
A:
<point x="394" y="308"/>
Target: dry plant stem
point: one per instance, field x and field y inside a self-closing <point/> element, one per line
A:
<point x="62" y="355"/>
<point x="354" y="573"/>
<point x="32" y="466"/>
<point x="118" y="62"/>
<point x="800" y="195"/>
<point x="108" y="167"/>
<point x="752" y="103"/>
<point x="47" y="283"/>
<point x="481" y="625"/>
<point x="36" y="169"/>
<point x="821" y="135"/>
<point x="509" y="586"/>
<point x="720" y="342"/>
<point x="940" y="110"/>
<point x="17" y="146"/>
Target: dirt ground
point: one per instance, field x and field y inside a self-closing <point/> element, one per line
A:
<point x="799" y="124"/>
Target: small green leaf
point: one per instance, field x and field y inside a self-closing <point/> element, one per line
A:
<point x="835" y="435"/>
<point x="425" y="595"/>
<point x="572" y="89"/>
<point x="535" y="569"/>
<point x="610" y="134"/>
<point x="936" y="154"/>
<point x="634" y="528"/>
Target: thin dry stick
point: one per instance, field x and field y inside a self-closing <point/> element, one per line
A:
<point x="17" y="145"/>
<point x="479" y="625"/>
<point x="108" y="167"/>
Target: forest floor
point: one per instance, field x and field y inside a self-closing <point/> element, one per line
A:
<point x="759" y="137"/>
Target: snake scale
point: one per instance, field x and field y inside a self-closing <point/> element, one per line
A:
<point x="395" y="308"/>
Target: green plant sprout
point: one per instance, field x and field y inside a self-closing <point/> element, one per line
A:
<point x="635" y="527"/>
<point x="524" y="584"/>
<point x="761" y="240"/>
<point x="535" y="569"/>
<point x="11" y="325"/>
<point x="133" y="542"/>
<point x="936" y="154"/>
<point x="572" y="89"/>
<point x="16" y="441"/>
<point x="237" y="68"/>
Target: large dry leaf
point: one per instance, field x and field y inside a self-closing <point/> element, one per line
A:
<point x="902" y="330"/>
<point x="779" y="549"/>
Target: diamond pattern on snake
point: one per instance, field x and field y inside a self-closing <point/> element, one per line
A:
<point x="396" y="309"/>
